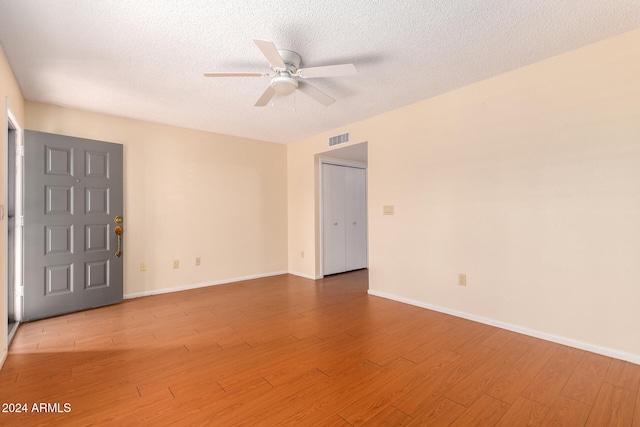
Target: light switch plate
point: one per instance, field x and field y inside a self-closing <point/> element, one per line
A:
<point x="462" y="279"/>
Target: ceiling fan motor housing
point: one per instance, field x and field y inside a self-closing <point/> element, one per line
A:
<point x="291" y="60"/>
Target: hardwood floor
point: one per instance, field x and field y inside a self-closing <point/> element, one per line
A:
<point x="290" y="351"/>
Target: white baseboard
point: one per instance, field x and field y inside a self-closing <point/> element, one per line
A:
<point x="201" y="285"/>
<point x="3" y="357"/>
<point x="633" y="358"/>
<point x="306" y="276"/>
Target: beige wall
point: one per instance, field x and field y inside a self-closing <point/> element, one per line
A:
<point x="189" y="194"/>
<point x="528" y="182"/>
<point x="9" y="88"/>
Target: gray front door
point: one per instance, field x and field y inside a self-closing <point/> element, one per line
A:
<point x="72" y="194"/>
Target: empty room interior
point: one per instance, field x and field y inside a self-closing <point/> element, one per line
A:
<point x="373" y="213"/>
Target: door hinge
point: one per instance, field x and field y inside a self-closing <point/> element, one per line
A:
<point x="21" y="291"/>
<point x="21" y="221"/>
<point x="21" y="150"/>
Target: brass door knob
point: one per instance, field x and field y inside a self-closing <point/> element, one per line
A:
<point x="118" y="231"/>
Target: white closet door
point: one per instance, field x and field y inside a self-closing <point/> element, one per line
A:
<point x="333" y="219"/>
<point x="344" y="218"/>
<point x="356" y="218"/>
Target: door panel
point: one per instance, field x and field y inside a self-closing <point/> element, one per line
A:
<point x="333" y="218"/>
<point x="73" y="191"/>
<point x="355" y="218"/>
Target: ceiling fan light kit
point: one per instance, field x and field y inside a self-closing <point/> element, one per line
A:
<point x="285" y="64"/>
<point x="284" y="85"/>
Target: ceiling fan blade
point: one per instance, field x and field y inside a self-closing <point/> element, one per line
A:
<point x="328" y="71"/>
<point x="265" y="97"/>
<point x="270" y="51"/>
<point x="232" y="74"/>
<point x="316" y="94"/>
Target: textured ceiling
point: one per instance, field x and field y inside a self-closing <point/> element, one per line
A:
<point x="144" y="59"/>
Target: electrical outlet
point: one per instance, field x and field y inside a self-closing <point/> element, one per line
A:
<point x="176" y="263"/>
<point x="143" y="266"/>
<point x="388" y="210"/>
<point x="462" y="279"/>
<point x="197" y="260"/>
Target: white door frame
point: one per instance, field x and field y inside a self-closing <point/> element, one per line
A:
<point x="338" y="162"/>
<point x="18" y="201"/>
<point x="19" y="211"/>
<point x="10" y="121"/>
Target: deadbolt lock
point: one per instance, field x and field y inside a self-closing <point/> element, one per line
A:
<point x="118" y="219"/>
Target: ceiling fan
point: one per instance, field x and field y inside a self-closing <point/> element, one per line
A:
<point x="285" y="64"/>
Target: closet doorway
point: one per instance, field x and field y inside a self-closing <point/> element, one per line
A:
<point x="344" y="215"/>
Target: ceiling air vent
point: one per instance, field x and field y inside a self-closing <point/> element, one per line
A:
<point x="343" y="138"/>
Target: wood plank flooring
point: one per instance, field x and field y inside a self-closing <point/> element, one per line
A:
<point x="285" y="351"/>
